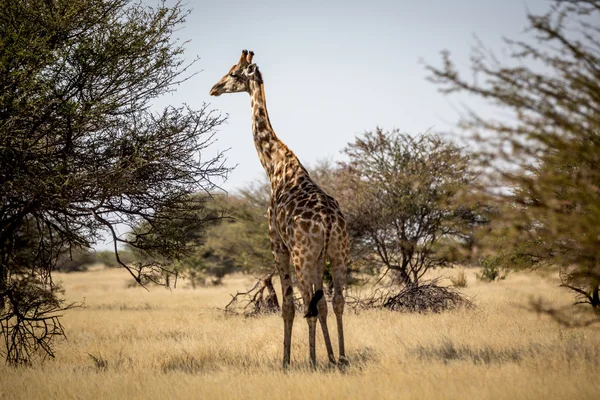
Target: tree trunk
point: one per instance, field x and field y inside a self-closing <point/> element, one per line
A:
<point x="271" y="302"/>
<point x="3" y="279"/>
<point x="3" y="275"/>
<point x="402" y="271"/>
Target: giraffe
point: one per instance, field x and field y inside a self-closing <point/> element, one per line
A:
<point x="306" y="225"/>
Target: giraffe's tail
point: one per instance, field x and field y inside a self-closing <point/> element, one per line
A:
<point x="312" y="306"/>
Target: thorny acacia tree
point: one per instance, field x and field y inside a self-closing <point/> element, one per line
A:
<point x="550" y="152"/>
<point x="239" y="242"/>
<point x="401" y="196"/>
<point x="188" y="227"/>
<point x="81" y="151"/>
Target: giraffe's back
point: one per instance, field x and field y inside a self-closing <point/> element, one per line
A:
<point x="307" y="216"/>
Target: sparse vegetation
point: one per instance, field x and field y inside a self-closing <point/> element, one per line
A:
<point x="187" y="363"/>
<point x="99" y="362"/>
<point x="103" y="364"/>
<point x="448" y="351"/>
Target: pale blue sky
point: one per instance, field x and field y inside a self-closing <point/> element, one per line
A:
<point x="333" y="69"/>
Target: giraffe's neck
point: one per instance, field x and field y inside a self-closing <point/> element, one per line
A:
<point x="279" y="162"/>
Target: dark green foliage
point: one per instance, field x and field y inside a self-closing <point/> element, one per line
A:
<point x="80" y="149"/>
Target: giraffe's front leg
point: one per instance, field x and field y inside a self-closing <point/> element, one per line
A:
<point x="282" y="262"/>
<point x="287" y="308"/>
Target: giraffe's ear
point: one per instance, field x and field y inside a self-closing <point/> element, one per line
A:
<point x="251" y="70"/>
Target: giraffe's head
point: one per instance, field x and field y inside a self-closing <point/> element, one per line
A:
<point x="239" y="76"/>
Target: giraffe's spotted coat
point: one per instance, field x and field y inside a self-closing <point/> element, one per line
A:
<point x="306" y="225"/>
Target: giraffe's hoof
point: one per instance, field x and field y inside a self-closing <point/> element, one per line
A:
<point x="343" y="361"/>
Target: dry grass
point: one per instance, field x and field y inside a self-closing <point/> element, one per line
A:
<point x="459" y="279"/>
<point x="133" y="344"/>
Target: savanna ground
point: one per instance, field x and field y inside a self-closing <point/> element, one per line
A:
<point x="132" y="344"/>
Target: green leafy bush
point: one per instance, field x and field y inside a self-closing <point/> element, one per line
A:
<point x="492" y="269"/>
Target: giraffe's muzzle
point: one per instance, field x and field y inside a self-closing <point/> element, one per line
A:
<point x="216" y="90"/>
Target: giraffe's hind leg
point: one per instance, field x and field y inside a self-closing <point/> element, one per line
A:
<point x="338" y="270"/>
<point x="307" y="278"/>
<point x="322" y="312"/>
<point x="322" y="306"/>
<point x="315" y="304"/>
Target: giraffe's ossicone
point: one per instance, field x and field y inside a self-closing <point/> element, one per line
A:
<point x="306" y="225"/>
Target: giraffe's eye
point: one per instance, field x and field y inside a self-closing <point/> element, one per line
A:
<point x="233" y="75"/>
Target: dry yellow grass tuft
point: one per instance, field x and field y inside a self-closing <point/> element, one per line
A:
<point x="132" y="344"/>
<point x="459" y="279"/>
